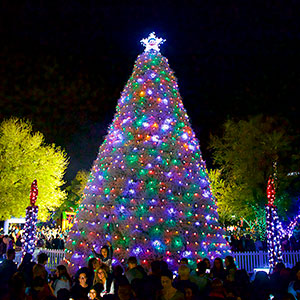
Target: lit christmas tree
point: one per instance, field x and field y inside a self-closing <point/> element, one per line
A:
<point x="29" y="236"/>
<point x="273" y="227"/>
<point x="148" y="192"/>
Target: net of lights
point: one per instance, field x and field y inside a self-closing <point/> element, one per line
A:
<point x="148" y="191"/>
<point x="29" y="236"/>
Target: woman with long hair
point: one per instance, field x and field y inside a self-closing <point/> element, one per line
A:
<point x="217" y="270"/>
<point x="230" y="268"/>
<point x="104" y="282"/>
<point x="63" y="280"/>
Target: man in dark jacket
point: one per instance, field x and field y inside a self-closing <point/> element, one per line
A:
<point x="7" y="269"/>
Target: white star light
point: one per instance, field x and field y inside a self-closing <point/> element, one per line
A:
<point x="152" y="42"/>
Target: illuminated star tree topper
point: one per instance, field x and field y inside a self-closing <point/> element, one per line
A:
<point x="152" y="42"/>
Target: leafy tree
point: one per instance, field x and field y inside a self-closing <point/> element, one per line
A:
<point x="24" y="156"/>
<point x="224" y="193"/>
<point x="74" y="192"/>
<point x="245" y="154"/>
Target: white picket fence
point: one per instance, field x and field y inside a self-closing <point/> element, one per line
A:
<point x="54" y="257"/>
<point x="244" y="260"/>
<point x="253" y="260"/>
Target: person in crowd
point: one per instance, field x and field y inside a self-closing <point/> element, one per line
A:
<point x="277" y="280"/>
<point x="241" y="284"/>
<point x="217" y="270"/>
<point x="81" y="288"/>
<point x="63" y="280"/>
<point x="258" y="245"/>
<point x="106" y="254"/>
<point x="56" y="243"/>
<point x="63" y="294"/>
<point x="168" y="292"/>
<point x="17" y="288"/>
<point x="26" y="268"/>
<point x="90" y="270"/>
<point x="294" y="286"/>
<point x="217" y="290"/>
<point x="42" y="260"/>
<point x="134" y="271"/>
<point x="183" y="281"/>
<point x="230" y="268"/>
<point x="249" y="243"/>
<point x="7" y="269"/>
<point x="260" y="287"/>
<point x="119" y="277"/>
<point x="40" y="288"/>
<point x="202" y="278"/>
<point x="104" y="283"/>
<point x="39" y="270"/>
<point x="125" y="292"/>
<point x="153" y="282"/>
<point x="207" y="262"/>
<point x="94" y="293"/>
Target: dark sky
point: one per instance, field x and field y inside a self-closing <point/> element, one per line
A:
<point x="63" y="64"/>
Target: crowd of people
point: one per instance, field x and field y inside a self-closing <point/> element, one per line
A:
<point x="46" y="236"/>
<point x="245" y="243"/>
<point x="211" y="280"/>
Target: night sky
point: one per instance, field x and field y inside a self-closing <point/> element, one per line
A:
<point x="63" y="64"/>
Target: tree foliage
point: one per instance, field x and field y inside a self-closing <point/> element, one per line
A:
<point x="224" y="191"/>
<point x="245" y="154"/>
<point x="24" y="156"/>
<point x="74" y="192"/>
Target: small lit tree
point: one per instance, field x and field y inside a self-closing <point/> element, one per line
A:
<point x="273" y="227"/>
<point x="29" y="237"/>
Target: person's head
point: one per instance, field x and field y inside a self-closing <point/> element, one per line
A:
<point x="94" y="292"/>
<point x="93" y="263"/>
<point x="261" y="279"/>
<point x="82" y="278"/>
<point x="155" y="267"/>
<point x="39" y="271"/>
<point x="201" y="268"/>
<point x="229" y="261"/>
<point x="184" y="272"/>
<point x="184" y="261"/>
<point x="118" y="271"/>
<point x="101" y="275"/>
<point x="166" y="279"/>
<point x="61" y="272"/>
<point x="11" y="254"/>
<point x="207" y="262"/>
<point x="241" y="277"/>
<point x="132" y="262"/>
<point x="218" y="264"/>
<point x="104" y="251"/>
<point x="42" y="258"/>
<point x="279" y="267"/>
<point x="27" y="258"/>
<point x="217" y="285"/>
<point x="63" y="294"/>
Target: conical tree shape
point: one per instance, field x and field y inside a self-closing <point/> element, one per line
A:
<point x="148" y="192"/>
